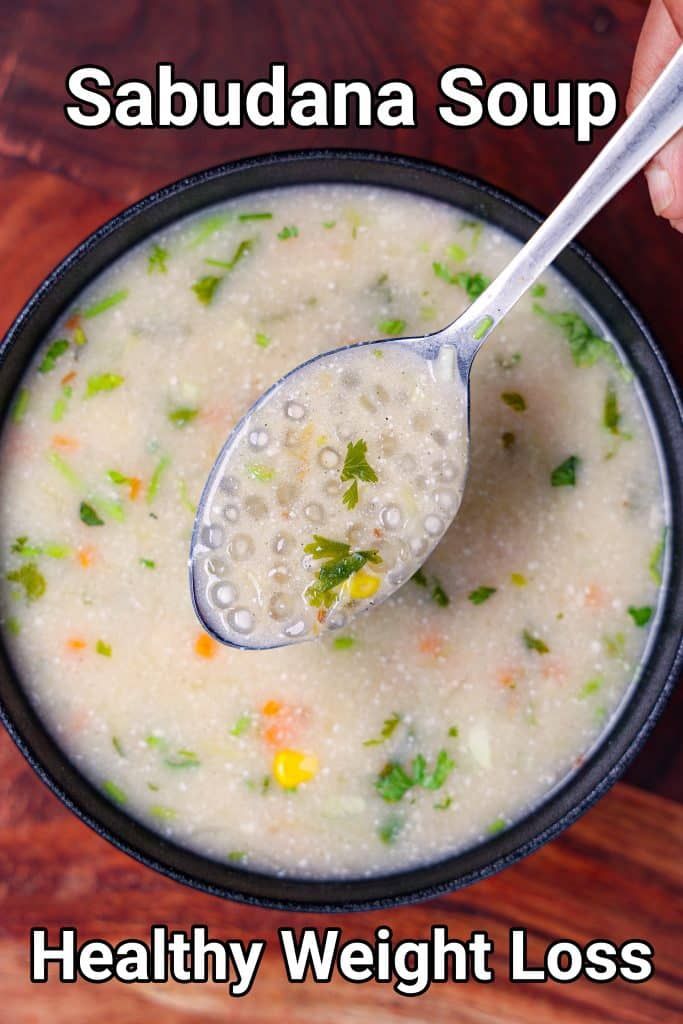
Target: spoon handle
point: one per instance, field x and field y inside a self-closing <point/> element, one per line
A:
<point x="655" y="120"/>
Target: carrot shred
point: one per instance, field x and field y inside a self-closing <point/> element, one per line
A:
<point x="431" y="643"/>
<point x="68" y="444"/>
<point x="74" y="321"/>
<point x="594" y="596"/>
<point x="205" y="646"/>
<point x="508" y="677"/>
<point x="68" y="377"/>
<point x="76" y="643"/>
<point x="85" y="556"/>
<point x="271" y="707"/>
<point x="134" y="488"/>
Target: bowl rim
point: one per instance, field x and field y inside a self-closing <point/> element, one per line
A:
<point x="560" y="807"/>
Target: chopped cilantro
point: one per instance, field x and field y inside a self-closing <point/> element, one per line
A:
<point x="499" y="825"/>
<point x="104" y="304"/>
<point x="389" y="831"/>
<point x="356" y="467"/>
<point x="456" y="253"/>
<point x="240" y="252"/>
<point x="481" y="594"/>
<point x="419" y="578"/>
<point x="538" y="291"/>
<point x="262" y="340"/>
<point x="162" y="813"/>
<point x="181" y="417"/>
<point x="387" y="730"/>
<point x="444" y="804"/>
<point x="484" y="325"/>
<point x="22" y="548"/>
<point x="591" y="687"/>
<point x="507" y="439"/>
<point x="329" y="224"/>
<point x="183" y="759"/>
<point x="587" y="347"/>
<point x="392" y="326"/>
<point x="453" y="731"/>
<point x="394" y="780"/>
<point x="63" y="467"/>
<point x="118" y="746"/>
<point x="155" y="480"/>
<point x="20" y="405"/>
<point x="208" y="227"/>
<point x="534" y="643"/>
<point x="615" y="645"/>
<point x="289" y="231"/>
<point x="103" y="382"/>
<point x="509" y="362"/>
<point x="205" y="287"/>
<point x="514" y="400"/>
<point x="339" y="564"/>
<point x="30" y="578"/>
<point x="473" y="284"/>
<point x="517" y="579"/>
<point x="343" y="643"/>
<point x="13" y="626"/>
<point x="237" y="856"/>
<point x="55" y="351"/>
<point x="439" y="595"/>
<point x="241" y="725"/>
<point x="261" y="473"/>
<point x="642" y="615"/>
<point x="114" y="792"/>
<point x="148" y="563"/>
<point x="564" y="475"/>
<point x="61" y="404"/>
<point x="254" y="216"/>
<point x="157" y="259"/>
<point x="88" y="515"/>
<point x="103" y="648"/>
<point x="322" y="547"/>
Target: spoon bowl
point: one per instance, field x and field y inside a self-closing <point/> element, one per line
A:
<point x="254" y="591"/>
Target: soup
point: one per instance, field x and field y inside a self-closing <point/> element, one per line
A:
<point x="411" y="731"/>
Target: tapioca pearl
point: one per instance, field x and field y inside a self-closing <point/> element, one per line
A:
<point x="391" y="517"/>
<point x="439" y="437"/>
<point x="419" y="547"/>
<point x="447" y="470"/>
<point x="399" y="575"/>
<point x="283" y="543"/>
<point x="280" y="574"/>
<point x="294" y="410"/>
<point x="350" y="379"/>
<point x="332" y="487"/>
<point x="222" y="594"/>
<point x="420" y="422"/>
<point x="241" y="547"/>
<point x="380" y="394"/>
<point x="231" y="512"/>
<point x="281" y="606"/>
<point x="344" y="432"/>
<point x="388" y="445"/>
<point x="433" y="524"/>
<point x="407" y="465"/>
<point x="356" y="535"/>
<point x="240" y="620"/>
<point x="293" y="438"/>
<point x="421" y="482"/>
<point x="258" y="438"/>
<point x="255" y="507"/>
<point x="229" y="484"/>
<point x="297" y="628"/>
<point x="329" y="458"/>
<point x="315" y="513"/>
<point x="213" y="535"/>
<point x="368" y="403"/>
<point x="286" y="493"/>
<point x="447" y="501"/>
<point x="336" y="620"/>
<point x="216" y="566"/>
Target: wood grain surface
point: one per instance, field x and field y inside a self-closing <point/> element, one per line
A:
<point x="617" y="872"/>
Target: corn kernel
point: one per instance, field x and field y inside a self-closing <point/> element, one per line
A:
<point x="363" y="585"/>
<point x="292" y="767"/>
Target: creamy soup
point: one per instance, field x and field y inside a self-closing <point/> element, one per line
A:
<point x="316" y="510"/>
<point x="423" y="725"/>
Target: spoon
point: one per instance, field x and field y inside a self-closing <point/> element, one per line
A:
<point x="270" y="588"/>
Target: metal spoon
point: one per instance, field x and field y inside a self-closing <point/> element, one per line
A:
<point x="656" y="119"/>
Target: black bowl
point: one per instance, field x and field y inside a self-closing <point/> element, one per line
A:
<point x="663" y="658"/>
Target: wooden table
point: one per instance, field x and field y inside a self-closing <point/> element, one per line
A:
<point x="614" y="874"/>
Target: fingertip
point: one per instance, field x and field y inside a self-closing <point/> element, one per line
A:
<point x="661" y="188"/>
<point x="677" y="225"/>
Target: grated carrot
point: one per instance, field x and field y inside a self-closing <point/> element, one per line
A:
<point x="76" y="643"/>
<point x="68" y="377"/>
<point x="431" y="643"/>
<point x="594" y="596"/>
<point x="85" y="556"/>
<point x="67" y="444"/>
<point x="508" y="677"/>
<point x="271" y="707"/>
<point x="134" y="488"/>
<point x="205" y="646"/>
<point x="74" y="321"/>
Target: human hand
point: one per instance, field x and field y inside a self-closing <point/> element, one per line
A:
<point x="660" y="37"/>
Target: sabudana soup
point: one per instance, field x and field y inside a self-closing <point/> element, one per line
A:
<point x="401" y="735"/>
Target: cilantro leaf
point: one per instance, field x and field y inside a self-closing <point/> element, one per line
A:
<point x="88" y="515"/>
<point x="241" y="251"/>
<point x="393" y="327"/>
<point x="586" y="347"/>
<point x="641" y="616"/>
<point x="181" y="417"/>
<point x="322" y="547"/>
<point x="106" y="303"/>
<point x="439" y="595"/>
<point x="356" y="465"/>
<point x="394" y="781"/>
<point x="157" y="259"/>
<point x="289" y="231"/>
<point x="386" y="732"/>
<point x="54" y="352"/>
<point x="205" y="288"/>
<point x="534" y="643"/>
<point x="481" y="594"/>
<point x="350" y="495"/>
<point x="564" y="475"/>
<point x="103" y="382"/>
<point x="514" y="400"/>
<point x="30" y="578"/>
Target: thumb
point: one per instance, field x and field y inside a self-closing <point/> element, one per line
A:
<point x="665" y="182"/>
